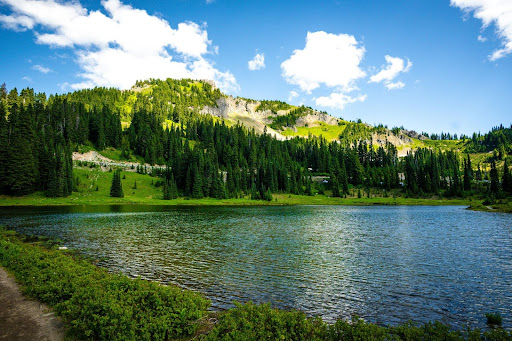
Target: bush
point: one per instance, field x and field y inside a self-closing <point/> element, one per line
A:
<point x="97" y="305"/>
<point x="261" y="322"/>
<point x="494" y="319"/>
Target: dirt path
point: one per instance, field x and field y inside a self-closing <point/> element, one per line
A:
<point x="25" y="319"/>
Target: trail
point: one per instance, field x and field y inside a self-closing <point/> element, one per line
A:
<point x="25" y="319"/>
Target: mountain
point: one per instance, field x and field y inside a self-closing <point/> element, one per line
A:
<point x="277" y="118"/>
<point x="214" y="145"/>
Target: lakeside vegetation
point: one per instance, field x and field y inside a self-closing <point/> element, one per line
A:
<point x="94" y="185"/>
<point x="97" y="305"/>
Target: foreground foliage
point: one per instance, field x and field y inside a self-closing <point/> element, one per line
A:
<point x="261" y="322"/>
<point x="95" y="304"/>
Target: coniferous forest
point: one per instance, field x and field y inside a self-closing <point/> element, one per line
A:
<point x="203" y="156"/>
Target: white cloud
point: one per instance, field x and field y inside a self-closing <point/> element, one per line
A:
<point x="329" y="59"/>
<point x="497" y="12"/>
<point x="338" y="100"/>
<point x="41" y="69"/>
<point x="257" y="63"/>
<point x="293" y="95"/>
<point x="17" y="22"/>
<point x="27" y="78"/>
<point x="395" y="85"/>
<point x="124" y="45"/>
<point x="481" y="38"/>
<point x="389" y="72"/>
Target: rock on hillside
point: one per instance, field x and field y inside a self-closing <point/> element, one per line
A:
<point x="313" y="119"/>
<point x="243" y="111"/>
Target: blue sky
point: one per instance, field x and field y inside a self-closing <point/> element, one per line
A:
<point x="437" y="65"/>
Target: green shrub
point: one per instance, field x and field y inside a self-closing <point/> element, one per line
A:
<point x="261" y="322"/>
<point x="97" y="305"/>
<point x="494" y="319"/>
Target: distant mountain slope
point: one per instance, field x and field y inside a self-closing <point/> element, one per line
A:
<point x="277" y="118"/>
<point x="177" y="101"/>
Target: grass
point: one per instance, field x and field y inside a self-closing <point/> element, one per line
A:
<point x="501" y="205"/>
<point x="115" y="154"/>
<point x="329" y="132"/>
<point x="97" y="305"/>
<point x="94" y="189"/>
<point x="146" y="192"/>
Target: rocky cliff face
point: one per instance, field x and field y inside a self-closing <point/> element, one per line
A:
<point x="311" y="120"/>
<point x="243" y="111"/>
<point x="227" y="106"/>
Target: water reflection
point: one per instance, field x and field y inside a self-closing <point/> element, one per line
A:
<point x="386" y="264"/>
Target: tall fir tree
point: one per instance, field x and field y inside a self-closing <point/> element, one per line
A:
<point x="116" y="189"/>
<point x="495" y="180"/>
<point x="507" y="178"/>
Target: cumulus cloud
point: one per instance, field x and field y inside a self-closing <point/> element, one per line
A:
<point x="394" y="85"/>
<point x="327" y="59"/>
<point x="41" y="69"/>
<point x="497" y="12"/>
<point x="293" y="95"/>
<point x="481" y="38"/>
<point x="257" y="63"/>
<point x="389" y="72"/>
<point x="120" y="46"/>
<point x="338" y="100"/>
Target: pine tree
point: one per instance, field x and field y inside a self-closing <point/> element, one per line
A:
<point x="309" y="189"/>
<point x="197" y="186"/>
<point x="166" y="191"/>
<point x="22" y="166"/>
<point x="3" y="146"/>
<point x="116" y="189"/>
<point x="495" y="181"/>
<point x="467" y="175"/>
<point x="507" y="178"/>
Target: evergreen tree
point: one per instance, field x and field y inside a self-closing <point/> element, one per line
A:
<point x="495" y="181"/>
<point x="507" y="178"/>
<point x="116" y="189"/>
<point x="166" y="190"/>
<point x="173" y="188"/>
<point x="22" y="167"/>
<point x="3" y="145"/>
<point x="197" y="186"/>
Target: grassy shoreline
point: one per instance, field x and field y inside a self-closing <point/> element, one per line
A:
<point x="94" y="189"/>
<point x="38" y="199"/>
<point x="95" y="304"/>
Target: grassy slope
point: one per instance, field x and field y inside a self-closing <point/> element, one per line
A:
<point x="329" y="132"/>
<point x="147" y="193"/>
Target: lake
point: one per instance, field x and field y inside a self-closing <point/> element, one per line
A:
<point x="388" y="265"/>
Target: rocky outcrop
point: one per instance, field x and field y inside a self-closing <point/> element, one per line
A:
<point x="312" y="120"/>
<point x="243" y="111"/>
<point x="413" y="134"/>
<point x="239" y="106"/>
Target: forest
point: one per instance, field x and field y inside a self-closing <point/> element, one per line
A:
<point x="203" y="156"/>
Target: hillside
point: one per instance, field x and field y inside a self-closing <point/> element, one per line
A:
<point x="277" y="118"/>
<point x="210" y="145"/>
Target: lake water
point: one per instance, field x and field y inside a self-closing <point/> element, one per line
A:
<point x="385" y="264"/>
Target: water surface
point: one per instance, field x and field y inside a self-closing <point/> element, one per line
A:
<point x="385" y="264"/>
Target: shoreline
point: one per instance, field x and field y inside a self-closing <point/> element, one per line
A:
<point x="42" y="259"/>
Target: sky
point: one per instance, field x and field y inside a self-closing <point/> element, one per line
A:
<point x="429" y="65"/>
